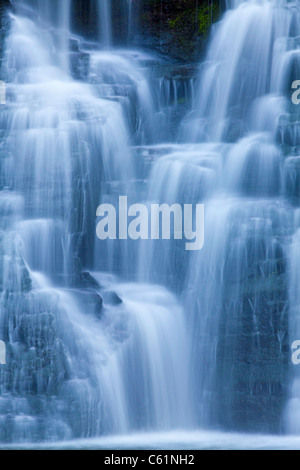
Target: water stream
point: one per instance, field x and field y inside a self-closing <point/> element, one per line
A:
<point x="120" y="337"/>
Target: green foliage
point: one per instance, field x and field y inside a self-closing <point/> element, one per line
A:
<point x="208" y="14"/>
<point x="202" y="17"/>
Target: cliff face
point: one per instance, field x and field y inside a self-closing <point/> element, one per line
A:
<point x="178" y="29"/>
<point x="4" y="24"/>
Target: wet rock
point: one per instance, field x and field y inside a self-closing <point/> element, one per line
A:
<point x="26" y="280"/>
<point x="4" y="24"/>
<point x="253" y="353"/>
<point x="177" y="30"/>
<point x="90" y="301"/>
<point x="175" y="72"/>
<point x="74" y="45"/>
<point x="36" y="362"/>
<point x="84" y="280"/>
<point x="99" y="307"/>
<point x="288" y="134"/>
<point x="292" y="179"/>
<point x="112" y="298"/>
<point x="79" y="65"/>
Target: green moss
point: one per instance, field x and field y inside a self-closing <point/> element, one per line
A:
<point x="202" y="18"/>
<point x="174" y="22"/>
<point x="207" y="15"/>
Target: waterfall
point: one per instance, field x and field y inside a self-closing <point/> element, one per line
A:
<point x="122" y="336"/>
<point x="53" y="13"/>
<point x="73" y="339"/>
<point x="230" y="82"/>
<point x="237" y="155"/>
<point x="104" y="7"/>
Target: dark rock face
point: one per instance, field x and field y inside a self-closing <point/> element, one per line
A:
<point x="84" y="20"/>
<point x="112" y="298"/>
<point x="292" y="179"/>
<point x="84" y="280"/>
<point x="178" y="29"/>
<point x="4" y="24"/>
<point x="253" y="345"/>
<point x="253" y="339"/>
<point x="37" y="365"/>
<point x="79" y="64"/>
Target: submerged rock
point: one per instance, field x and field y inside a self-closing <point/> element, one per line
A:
<point x="84" y="280"/>
<point x="111" y="298"/>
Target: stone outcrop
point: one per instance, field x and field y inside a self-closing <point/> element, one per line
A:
<point x="176" y="29"/>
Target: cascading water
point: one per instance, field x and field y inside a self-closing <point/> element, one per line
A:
<point x="121" y="336"/>
<point x="67" y="149"/>
<point x="235" y="291"/>
<point x="104" y="7"/>
<point x="53" y="13"/>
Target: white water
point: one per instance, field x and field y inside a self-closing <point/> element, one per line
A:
<point x="176" y="440"/>
<point x="68" y="150"/>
